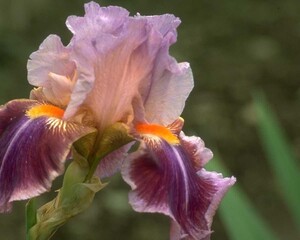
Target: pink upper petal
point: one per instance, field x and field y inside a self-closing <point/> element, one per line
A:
<point x="51" y="68"/>
<point x="111" y="61"/>
<point x="168" y="93"/>
<point x="109" y="74"/>
<point x="171" y="82"/>
<point x="97" y="20"/>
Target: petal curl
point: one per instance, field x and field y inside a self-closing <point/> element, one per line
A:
<point x="198" y="152"/>
<point x="51" y="68"/>
<point x="97" y="20"/>
<point x="164" y="179"/>
<point x="33" y="149"/>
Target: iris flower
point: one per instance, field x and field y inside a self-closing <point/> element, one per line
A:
<point x="116" y="68"/>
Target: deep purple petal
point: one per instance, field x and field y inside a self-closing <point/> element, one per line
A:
<point x="32" y="151"/>
<point x="164" y="179"/>
<point x="13" y="110"/>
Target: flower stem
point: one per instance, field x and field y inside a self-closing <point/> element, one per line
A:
<point x="30" y="216"/>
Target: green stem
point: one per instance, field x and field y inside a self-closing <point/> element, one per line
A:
<point x="73" y="198"/>
<point x="30" y="216"/>
<point x="93" y="159"/>
<point x="79" y="185"/>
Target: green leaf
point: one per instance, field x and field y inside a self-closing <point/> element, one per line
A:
<point x="30" y="215"/>
<point x="239" y="216"/>
<point x="279" y="154"/>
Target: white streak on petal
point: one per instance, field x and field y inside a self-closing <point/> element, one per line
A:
<point x="14" y="139"/>
<point x="184" y="173"/>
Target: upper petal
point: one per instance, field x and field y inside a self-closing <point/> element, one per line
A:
<point x="109" y="72"/>
<point x="116" y="65"/>
<point x="97" y="20"/>
<point x="115" y="56"/>
<point x="165" y="92"/>
<point x="34" y="143"/>
<point x="168" y="93"/>
<point x="51" y="68"/>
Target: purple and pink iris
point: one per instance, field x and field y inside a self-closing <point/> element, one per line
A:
<point x="116" y="68"/>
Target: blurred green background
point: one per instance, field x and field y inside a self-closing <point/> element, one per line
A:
<point x="234" y="47"/>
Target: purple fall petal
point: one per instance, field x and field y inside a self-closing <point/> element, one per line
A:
<point x="164" y="179"/>
<point x="13" y="110"/>
<point x="32" y="151"/>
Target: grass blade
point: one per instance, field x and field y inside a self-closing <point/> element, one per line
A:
<point x="279" y="154"/>
<point x="239" y="216"/>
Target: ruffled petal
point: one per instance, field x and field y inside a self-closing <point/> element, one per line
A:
<point x="51" y="68"/>
<point x="109" y="74"/>
<point x="34" y="144"/>
<point x="164" y="24"/>
<point x="97" y="20"/>
<point x="113" y="53"/>
<point x="198" y="152"/>
<point x="164" y="179"/>
<point x="102" y="46"/>
<point x="165" y="92"/>
<point x="116" y="65"/>
<point x="168" y="92"/>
